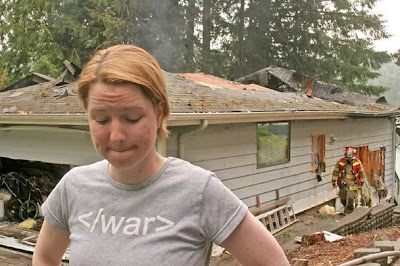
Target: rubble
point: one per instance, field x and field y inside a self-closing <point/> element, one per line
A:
<point x="24" y="185"/>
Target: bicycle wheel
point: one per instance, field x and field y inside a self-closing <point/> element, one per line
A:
<point x="28" y="209"/>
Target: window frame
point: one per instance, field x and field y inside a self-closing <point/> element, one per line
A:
<point x="289" y="140"/>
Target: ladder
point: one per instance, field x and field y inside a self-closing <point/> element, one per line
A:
<point x="279" y="218"/>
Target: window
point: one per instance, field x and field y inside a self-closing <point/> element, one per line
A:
<point x="318" y="155"/>
<point x="273" y="143"/>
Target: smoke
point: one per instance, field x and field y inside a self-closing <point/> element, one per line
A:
<point x="160" y="30"/>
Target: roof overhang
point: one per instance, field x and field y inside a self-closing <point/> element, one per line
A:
<point x="183" y="119"/>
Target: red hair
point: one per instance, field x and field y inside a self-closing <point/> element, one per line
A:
<point x="127" y="64"/>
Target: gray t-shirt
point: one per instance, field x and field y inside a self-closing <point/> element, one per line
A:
<point x="170" y="219"/>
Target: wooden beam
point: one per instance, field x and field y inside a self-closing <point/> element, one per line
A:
<point x="269" y="206"/>
<point x="258" y="201"/>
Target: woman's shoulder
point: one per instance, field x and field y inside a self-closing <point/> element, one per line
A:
<point x="94" y="169"/>
<point x="188" y="168"/>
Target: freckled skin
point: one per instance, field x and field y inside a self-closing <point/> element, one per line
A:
<point x="123" y="124"/>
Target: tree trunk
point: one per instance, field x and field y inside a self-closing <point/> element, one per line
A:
<point x="191" y="13"/>
<point x="241" y="39"/>
<point x="206" y="36"/>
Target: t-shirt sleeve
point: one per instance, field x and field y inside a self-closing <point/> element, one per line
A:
<point x="55" y="208"/>
<point x="221" y="211"/>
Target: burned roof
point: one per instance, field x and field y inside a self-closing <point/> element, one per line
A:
<point x="31" y="79"/>
<point x="189" y="93"/>
<point x="282" y="79"/>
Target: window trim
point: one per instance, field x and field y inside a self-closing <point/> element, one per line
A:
<point x="289" y="138"/>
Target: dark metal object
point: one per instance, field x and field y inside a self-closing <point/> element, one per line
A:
<point x="25" y="199"/>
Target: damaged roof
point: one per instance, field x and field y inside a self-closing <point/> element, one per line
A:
<point x="31" y="79"/>
<point x="192" y="95"/>
<point x="282" y="79"/>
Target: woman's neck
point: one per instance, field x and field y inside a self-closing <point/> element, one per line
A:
<point x="140" y="172"/>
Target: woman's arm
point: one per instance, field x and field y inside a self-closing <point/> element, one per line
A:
<point x="50" y="246"/>
<point x="252" y="244"/>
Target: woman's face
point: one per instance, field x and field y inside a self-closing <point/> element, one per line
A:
<point x="123" y="124"/>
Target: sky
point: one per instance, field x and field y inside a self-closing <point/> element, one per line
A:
<point x="390" y="9"/>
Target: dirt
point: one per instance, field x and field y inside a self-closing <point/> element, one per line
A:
<point x="335" y="253"/>
<point x="325" y="253"/>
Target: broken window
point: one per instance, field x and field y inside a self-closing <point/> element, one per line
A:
<point x="318" y="155"/>
<point x="373" y="162"/>
<point x="273" y="143"/>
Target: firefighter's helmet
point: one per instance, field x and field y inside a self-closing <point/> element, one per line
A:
<point x="349" y="153"/>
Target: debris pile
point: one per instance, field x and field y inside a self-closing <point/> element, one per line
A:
<point x="24" y="185"/>
<point x="22" y="197"/>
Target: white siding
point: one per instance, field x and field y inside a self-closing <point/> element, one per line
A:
<point x="52" y="145"/>
<point x="230" y="151"/>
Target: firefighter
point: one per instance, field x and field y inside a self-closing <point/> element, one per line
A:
<point x="349" y="175"/>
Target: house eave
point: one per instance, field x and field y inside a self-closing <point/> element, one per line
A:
<point x="44" y="119"/>
<point x="183" y="119"/>
<point x="179" y="119"/>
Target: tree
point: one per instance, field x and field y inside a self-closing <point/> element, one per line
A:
<point x="389" y="76"/>
<point x="40" y="35"/>
<point x="81" y="27"/>
<point x="241" y="38"/>
<point x="207" y="25"/>
<point x="26" y="43"/>
<point x="327" y="40"/>
<point x="73" y="30"/>
<point x="397" y="56"/>
<point x="190" y="35"/>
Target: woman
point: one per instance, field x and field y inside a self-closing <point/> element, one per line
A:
<point x="137" y="207"/>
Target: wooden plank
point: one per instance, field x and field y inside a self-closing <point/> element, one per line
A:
<point x="258" y="201"/>
<point x="265" y="198"/>
<point x="269" y="206"/>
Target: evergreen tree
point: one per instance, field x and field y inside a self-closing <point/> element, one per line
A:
<point x="327" y="40"/>
<point x="190" y="16"/>
<point x="26" y="43"/>
<point x="40" y="35"/>
<point x="206" y="44"/>
<point x="389" y="76"/>
<point x="397" y="56"/>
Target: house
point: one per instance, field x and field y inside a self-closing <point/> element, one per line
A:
<point x="31" y="79"/>
<point x="264" y="144"/>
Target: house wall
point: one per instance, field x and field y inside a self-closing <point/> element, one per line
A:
<point x="230" y="151"/>
<point x="47" y="144"/>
